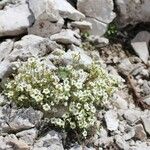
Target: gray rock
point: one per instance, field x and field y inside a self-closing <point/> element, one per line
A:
<point x="5" y="48"/>
<point x="66" y="10"/>
<point x="22" y="119"/>
<point x="48" y="20"/>
<point x="98" y="28"/>
<point x="119" y="102"/>
<point x="111" y="119"/>
<point x="133" y="11"/>
<point x="66" y="37"/>
<point x="84" y="59"/>
<point x="146" y="123"/>
<point x="99" y="41"/>
<point x="142" y="36"/>
<point x="132" y="116"/>
<point x="101" y="10"/>
<point x="141" y="50"/>
<point x="145" y="87"/>
<point x="44" y="10"/>
<point x="28" y="136"/>
<point x="129" y="133"/>
<point x="32" y="46"/>
<point x="5" y="69"/>
<point x="121" y="143"/>
<point x="51" y="141"/>
<point x="126" y="65"/>
<point x="46" y="28"/>
<point x="139" y="132"/>
<point x="82" y="25"/>
<point x="78" y="147"/>
<point x="21" y="13"/>
<point x="147" y="100"/>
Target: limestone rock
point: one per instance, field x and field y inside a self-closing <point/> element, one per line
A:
<point x="101" y="10"/>
<point x="44" y="10"/>
<point x="20" y="18"/>
<point x="5" y="48"/>
<point x="132" y="116"/>
<point x="139" y="132"/>
<point x="82" y="25"/>
<point x="146" y="123"/>
<point x="66" y="37"/>
<point x="46" y="28"/>
<point x="133" y="11"/>
<point x="98" y="28"/>
<point x="28" y="136"/>
<point x="51" y="141"/>
<point x="22" y="119"/>
<point x="66" y="10"/>
<point x="111" y="120"/>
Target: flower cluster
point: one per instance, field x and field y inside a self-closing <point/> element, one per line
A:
<point x="79" y="91"/>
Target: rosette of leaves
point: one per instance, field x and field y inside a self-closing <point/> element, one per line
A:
<point x="71" y="94"/>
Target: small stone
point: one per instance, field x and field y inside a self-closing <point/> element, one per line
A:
<point x="141" y="50"/>
<point x="139" y="132"/>
<point x="121" y="143"/>
<point x="147" y="100"/>
<point x="129" y="133"/>
<point x="68" y="11"/>
<point x="66" y="37"/>
<point x="82" y="25"/>
<point x="5" y="48"/>
<point x="28" y="136"/>
<point x="51" y="141"/>
<point x="146" y="123"/>
<point x="111" y="120"/>
<point x="132" y="116"/>
<point x="18" y="144"/>
<point x="119" y="102"/>
<point x="126" y="65"/>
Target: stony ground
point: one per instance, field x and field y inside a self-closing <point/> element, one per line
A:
<point x="53" y="35"/>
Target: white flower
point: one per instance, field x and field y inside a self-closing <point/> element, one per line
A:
<point x="84" y="133"/>
<point x="46" y="91"/>
<point x="46" y="107"/>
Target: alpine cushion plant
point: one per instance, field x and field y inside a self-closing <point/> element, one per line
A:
<point x="80" y="91"/>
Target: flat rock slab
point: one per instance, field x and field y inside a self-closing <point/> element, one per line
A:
<point x="15" y="20"/>
<point x="111" y="119"/>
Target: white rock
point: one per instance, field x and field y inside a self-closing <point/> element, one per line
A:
<point x="66" y="37"/>
<point x="5" y="69"/>
<point x="122" y="144"/>
<point x="48" y="20"/>
<point x="146" y="122"/>
<point x="133" y="11"/>
<point x="141" y="50"/>
<point x="119" y="102"/>
<point x="51" y="141"/>
<point x="132" y="116"/>
<point x="44" y="10"/>
<point x="147" y="100"/>
<point x="140" y="45"/>
<point x="15" y="20"/>
<point x="143" y="36"/>
<point x="101" y="10"/>
<point x="28" y="136"/>
<point x="111" y="120"/>
<point x="5" y="48"/>
<point x="66" y="10"/>
<point x="82" y="25"/>
<point x="98" y="28"/>
<point x="32" y="45"/>
<point x="68" y="57"/>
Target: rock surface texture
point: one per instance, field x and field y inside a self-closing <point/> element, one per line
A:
<point x="56" y="32"/>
